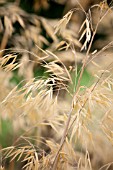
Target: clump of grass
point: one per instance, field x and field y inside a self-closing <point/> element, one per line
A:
<point x="61" y="131"/>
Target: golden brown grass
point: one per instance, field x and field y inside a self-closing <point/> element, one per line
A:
<point x="61" y="129"/>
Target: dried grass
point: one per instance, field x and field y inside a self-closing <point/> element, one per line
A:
<point x="73" y="131"/>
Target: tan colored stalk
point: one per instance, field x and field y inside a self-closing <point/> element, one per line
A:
<point x="68" y="126"/>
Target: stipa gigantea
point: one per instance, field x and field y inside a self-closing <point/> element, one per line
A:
<point x="88" y="38"/>
<point x="63" y="22"/>
<point x="88" y="108"/>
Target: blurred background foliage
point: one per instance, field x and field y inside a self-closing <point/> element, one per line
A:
<point x="23" y="28"/>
